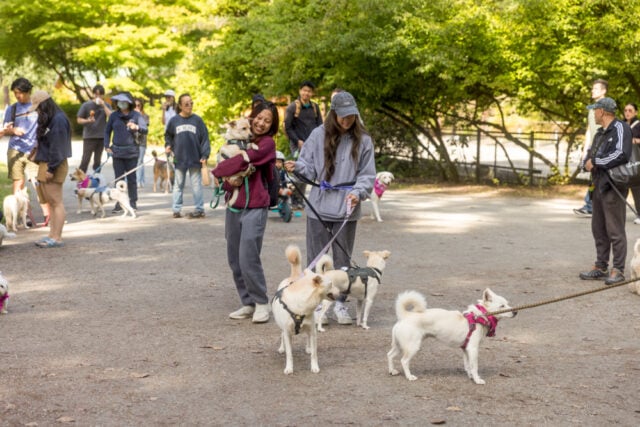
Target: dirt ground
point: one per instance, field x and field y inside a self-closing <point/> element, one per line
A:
<point x="127" y="324"/>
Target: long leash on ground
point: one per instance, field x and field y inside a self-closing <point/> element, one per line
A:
<point x="562" y="298"/>
<point x="322" y="221"/>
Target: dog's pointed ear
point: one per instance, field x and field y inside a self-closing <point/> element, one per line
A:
<point x="317" y="280"/>
<point x="385" y="254"/>
<point x="487" y="295"/>
<point x="366" y="253"/>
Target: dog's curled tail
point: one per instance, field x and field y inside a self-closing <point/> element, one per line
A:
<point x="410" y="302"/>
<point x="324" y="264"/>
<point x="121" y="185"/>
<point x="295" y="259"/>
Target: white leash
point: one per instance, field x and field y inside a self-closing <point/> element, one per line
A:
<point x="335" y="235"/>
<point x="135" y="169"/>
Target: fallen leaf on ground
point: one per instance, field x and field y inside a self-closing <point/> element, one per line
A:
<point x="454" y="408"/>
<point x="139" y="375"/>
<point x="66" y="420"/>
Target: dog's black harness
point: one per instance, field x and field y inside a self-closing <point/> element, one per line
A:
<point x="363" y="273"/>
<point x="241" y="143"/>
<point x="297" y="318"/>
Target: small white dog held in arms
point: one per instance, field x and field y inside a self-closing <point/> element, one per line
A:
<point x="634" y="266"/>
<point x="362" y="283"/>
<point x="464" y="330"/>
<point x="4" y="294"/>
<point x="383" y="180"/>
<point x="238" y="141"/>
<point x="294" y="304"/>
<point x="15" y="208"/>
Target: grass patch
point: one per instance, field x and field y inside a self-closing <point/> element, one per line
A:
<point x="5" y="182"/>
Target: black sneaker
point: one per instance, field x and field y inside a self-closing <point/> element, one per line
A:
<point x="117" y="210"/>
<point x="582" y="212"/>
<point x="177" y="215"/>
<point x="196" y="214"/>
<point x="594" y="274"/>
<point x="615" y="277"/>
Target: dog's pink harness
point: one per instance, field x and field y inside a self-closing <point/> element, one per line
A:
<point x="490" y="322"/>
<point x="88" y="182"/>
<point x="3" y="298"/>
<point x="379" y="188"/>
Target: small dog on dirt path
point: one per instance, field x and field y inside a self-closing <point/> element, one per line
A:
<point x="464" y="330"/>
<point x="100" y="196"/>
<point x="238" y="141"/>
<point x="634" y="266"/>
<point x="4" y="294"/>
<point x="86" y="185"/>
<point x="361" y="283"/>
<point x="15" y="208"/>
<point x="160" y="175"/>
<point x="294" y="304"/>
<point x="383" y="180"/>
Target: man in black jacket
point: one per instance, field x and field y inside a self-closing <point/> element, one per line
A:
<point x="611" y="147"/>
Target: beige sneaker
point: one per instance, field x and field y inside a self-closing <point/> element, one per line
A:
<point x="244" y="312"/>
<point x="261" y="315"/>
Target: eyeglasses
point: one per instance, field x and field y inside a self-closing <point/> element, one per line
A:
<point x="188" y="104"/>
<point x="629" y="110"/>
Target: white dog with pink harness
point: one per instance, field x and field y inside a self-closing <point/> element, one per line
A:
<point x="383" y="180"/>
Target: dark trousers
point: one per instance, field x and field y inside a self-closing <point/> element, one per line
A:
<point x="91" y="146"/>
<point x="122" y="166"/>
<point x="608" y="227"/>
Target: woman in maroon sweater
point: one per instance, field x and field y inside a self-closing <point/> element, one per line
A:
<point x="246" y="220"/>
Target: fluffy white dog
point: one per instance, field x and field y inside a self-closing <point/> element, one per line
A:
<point x="15" y="207"/>
<point x="237" y="137"/>
<point x="4" y="294"/>
<point x="464" y="330"/>
<point x="383" y="180"/>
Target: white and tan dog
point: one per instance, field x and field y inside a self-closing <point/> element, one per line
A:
<point x="86" y="184"/>
<point x="361" y="283"/>
<point x="4" y="233"/>
<point x="238" y="141"/>
<point x="294" y="304"/>
<point x="4" y="294"/>
<point x="15" y="208"/>
<point x="383" y="180"/>
<point x="464" y="330"/>
<point x="98" y="197"/>
<point x="634" y="266"/>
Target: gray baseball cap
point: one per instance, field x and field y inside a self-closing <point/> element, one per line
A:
<point x="344" y="104"/>
<point x="607" y="104"/>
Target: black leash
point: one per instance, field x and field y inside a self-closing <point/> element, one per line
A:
<point x="323" y="222"/>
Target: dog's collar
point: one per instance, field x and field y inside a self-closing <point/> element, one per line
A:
<point x="242" y="143"/>
<point x="84" y="183"/>
<point x="297" y="318"/>
<point x="490" y="322"/>
<point x="3" y="298"/>
<point x="379" y="187"/>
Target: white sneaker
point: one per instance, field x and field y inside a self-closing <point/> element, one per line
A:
<point x="242" y="313"/>
<point x="636" y="221"/>
<point x="342" y="314"/>
<point x="261" y="315"/>
<point x="324" y="320"/>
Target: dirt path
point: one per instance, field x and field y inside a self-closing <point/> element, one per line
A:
<point x="127" y="325"/>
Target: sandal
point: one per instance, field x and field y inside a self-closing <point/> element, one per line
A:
<point x="48" y="242"/>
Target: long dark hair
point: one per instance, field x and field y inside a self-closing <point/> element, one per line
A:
<point x="266" y="105"/>
<point x="46" y="110"/>
<point x="332" y="133"/>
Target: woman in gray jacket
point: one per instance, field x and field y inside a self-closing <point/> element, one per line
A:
<point x="338" y="157"/>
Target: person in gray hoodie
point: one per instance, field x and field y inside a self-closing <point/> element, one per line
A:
<point x="338" y="159"/>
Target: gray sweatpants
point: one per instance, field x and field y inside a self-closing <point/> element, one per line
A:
<point x="244" y="232"/>
<point x="608" y="228"/>
<point x="318" y="237"/>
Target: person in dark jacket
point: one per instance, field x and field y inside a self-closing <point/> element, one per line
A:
<point x="124" y="124"/>
<point x="54" y="148"/>
<point x="631" y="117"/>
<point x="188" y="138"/>
<point x="246" y="220"/>
<point x="611" y="147"/>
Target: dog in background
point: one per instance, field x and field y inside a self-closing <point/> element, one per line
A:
<point x="15" y="207"/>
<point x="464" y="330"/>
<point x="4" y="294"/>
<point x="383" y="180"/>
<point x="163" y="174"/>
<point x="634" y="266"/>
<point x="294" y="304"/>
<point x="4" y="233"/>
<point x="86" y="186"/>
<point x="100" y="196"/>
<point x="238" y="141"/>
<point x="361" y="283"/>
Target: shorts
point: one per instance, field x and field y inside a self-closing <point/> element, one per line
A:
<point x="59" y="175"/>
<point x="19" y="165"/>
